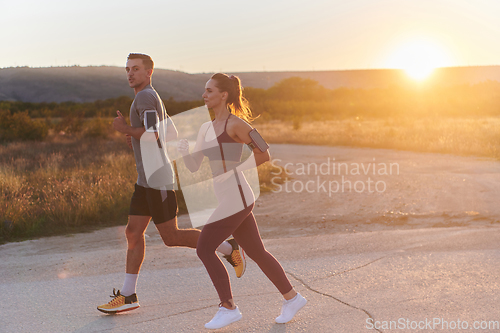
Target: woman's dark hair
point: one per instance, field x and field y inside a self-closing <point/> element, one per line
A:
<point x="238" y="105"/>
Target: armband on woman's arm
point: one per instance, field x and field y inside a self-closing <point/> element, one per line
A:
<point x="257" y="141"/>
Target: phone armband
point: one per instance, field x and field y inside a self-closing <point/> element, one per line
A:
<point x="257" y="141"/>
<point x="151" y="120"/>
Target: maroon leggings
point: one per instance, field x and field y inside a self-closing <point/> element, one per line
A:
<point x="243" y="227"/>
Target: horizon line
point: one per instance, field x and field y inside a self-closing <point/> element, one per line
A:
<point x="263" y="71"/>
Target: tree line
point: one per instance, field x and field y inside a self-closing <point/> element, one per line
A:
<point x="294" y="99"/>
<point x="304" y="99"/>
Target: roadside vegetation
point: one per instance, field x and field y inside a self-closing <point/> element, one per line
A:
<point x="71" y="184"/>
<point x="457" y="136"/>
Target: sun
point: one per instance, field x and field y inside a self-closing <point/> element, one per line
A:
<point x="418" y="58"/>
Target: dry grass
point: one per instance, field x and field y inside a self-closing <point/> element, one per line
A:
<point x="50" y="188"/>
<point x="69" y="185"/>
<point x="475" y="137"/>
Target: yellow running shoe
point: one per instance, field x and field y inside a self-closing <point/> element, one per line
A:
<point x="119" y="303"/>
<point x="236" y="258"/>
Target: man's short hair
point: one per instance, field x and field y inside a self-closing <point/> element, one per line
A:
<point x="146" y="60"/>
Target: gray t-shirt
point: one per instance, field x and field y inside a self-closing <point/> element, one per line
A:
<point x="148" y="99"/>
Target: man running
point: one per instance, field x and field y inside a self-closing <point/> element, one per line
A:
<point x="151" y="203"/>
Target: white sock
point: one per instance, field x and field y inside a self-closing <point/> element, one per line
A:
<point x="129" y="284"/>
<point x="225" y="248"/>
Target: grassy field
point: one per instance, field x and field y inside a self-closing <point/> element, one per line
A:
<point x="458" y="136"/>
<point x="54" y="187"/>
<point x="68" y="185"/>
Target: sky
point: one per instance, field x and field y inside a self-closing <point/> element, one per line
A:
<point x="197" y="36"/>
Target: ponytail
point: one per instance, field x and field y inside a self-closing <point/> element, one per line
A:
<point x="237" y="104"/>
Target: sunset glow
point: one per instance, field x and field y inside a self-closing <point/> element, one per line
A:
<point x="419" y="58"/>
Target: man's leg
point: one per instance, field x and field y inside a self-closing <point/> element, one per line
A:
<point x="136" y="244"/>
<point x="126" y="298"/>
<point x="173" y="236"/>
<point x="136" y="248"/>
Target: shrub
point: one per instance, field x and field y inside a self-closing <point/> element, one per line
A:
<point x="20" y="127"/>
<point x="98" y="128"/>
<point x="70" y="125"/>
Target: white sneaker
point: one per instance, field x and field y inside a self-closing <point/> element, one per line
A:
<point x="224" y="317"/>
<point x="290" y="308"/>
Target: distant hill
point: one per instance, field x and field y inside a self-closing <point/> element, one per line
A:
<point x="87" y="84"/>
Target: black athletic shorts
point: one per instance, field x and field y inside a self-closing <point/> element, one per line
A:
<point x="151" y="202"/>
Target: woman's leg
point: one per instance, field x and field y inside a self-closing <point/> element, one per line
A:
<point x="248" y="237"/>
<point x="212" y="235"/>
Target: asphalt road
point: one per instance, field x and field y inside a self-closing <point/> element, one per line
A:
<point x="353" y="282"/>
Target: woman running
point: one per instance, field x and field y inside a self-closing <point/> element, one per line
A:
<point x="222" y="142"/>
